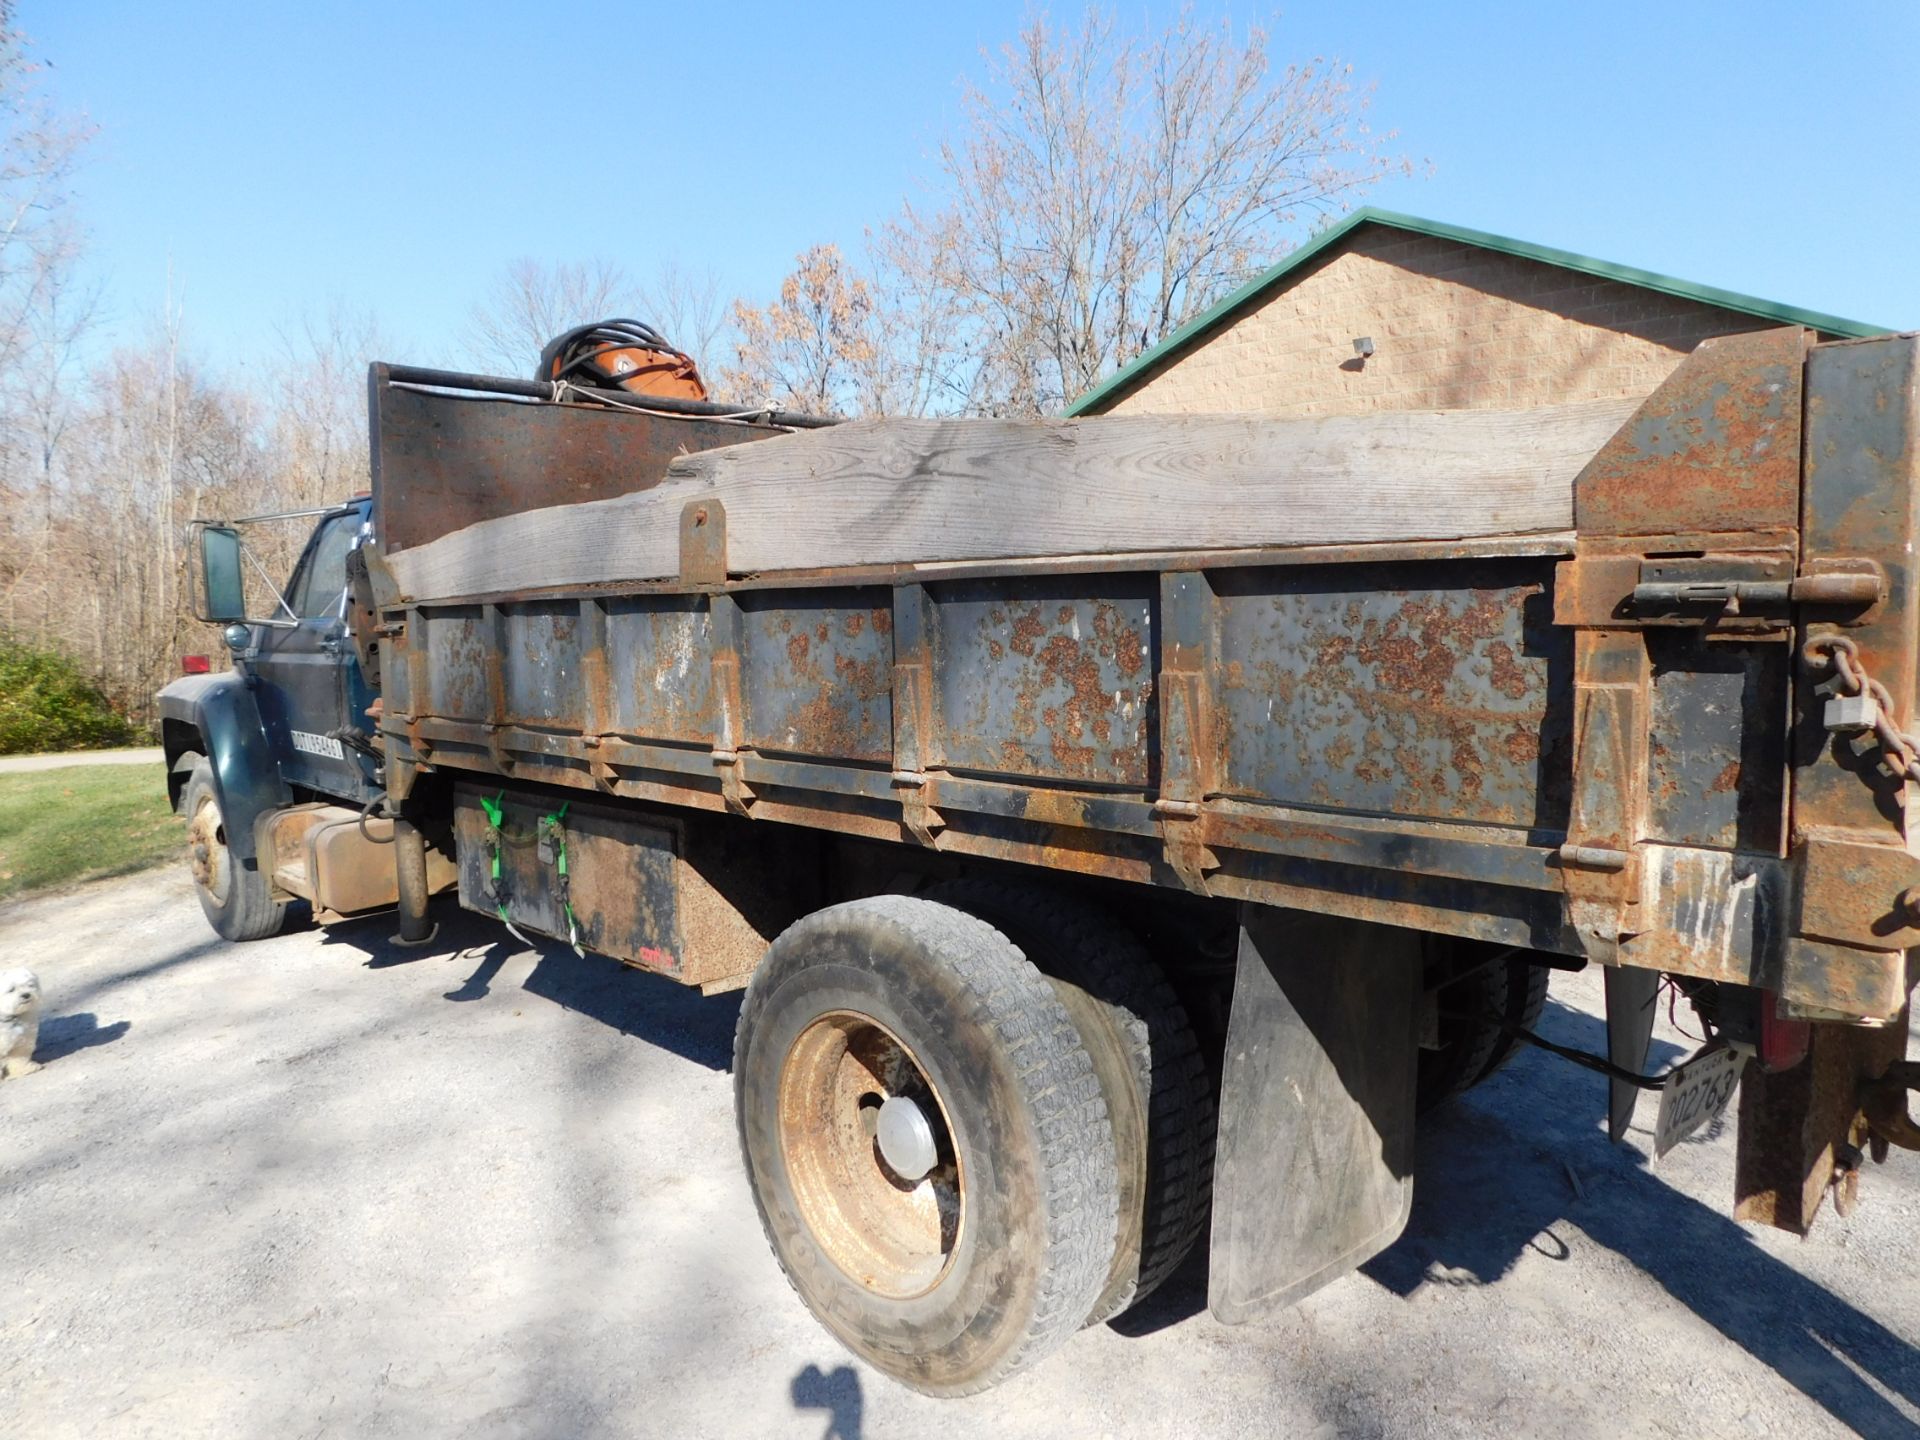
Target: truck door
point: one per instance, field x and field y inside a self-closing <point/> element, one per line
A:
<point x="310" y="690"/>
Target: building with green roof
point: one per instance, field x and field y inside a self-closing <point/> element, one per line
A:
<point x="1392" y="312"/>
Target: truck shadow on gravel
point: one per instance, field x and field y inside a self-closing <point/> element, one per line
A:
<point x="475" y="951"/>
<point x="1489" y="1189"/>
<point x="1492" y="1182"/>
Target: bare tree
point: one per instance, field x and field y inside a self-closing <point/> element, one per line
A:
<point x="688" y="308"/>
<point x="152" y="443"/>
<point x="39" y="151"/>
<point x="318" y="446"/>
<point x="533" y="302"/>
<point x="44" y="314"/>
<point x="1103" y="190"/>
<point x="813" y="348"/>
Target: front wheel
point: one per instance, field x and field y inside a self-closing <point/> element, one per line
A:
<point x="237" y="900"/>
<point x="926" y="1140"/>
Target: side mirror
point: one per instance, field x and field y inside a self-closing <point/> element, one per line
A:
<point x="222" y="589"/>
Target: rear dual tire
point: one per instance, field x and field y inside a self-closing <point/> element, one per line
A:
<point x="952" y="1281"/>
<point x="1479" y="1013"/>
<point x="1159" y="1094"/>
<point x="948" y="1148"/>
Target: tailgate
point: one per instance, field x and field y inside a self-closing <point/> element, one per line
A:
<point x="1744" y="612"/>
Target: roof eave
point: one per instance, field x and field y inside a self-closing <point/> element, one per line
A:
<point x="1224" y="311"/>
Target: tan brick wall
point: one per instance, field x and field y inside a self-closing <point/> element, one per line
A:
<point x="1454" y="326"/>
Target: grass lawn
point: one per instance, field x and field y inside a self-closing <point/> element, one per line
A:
<point x="80" y="823"/>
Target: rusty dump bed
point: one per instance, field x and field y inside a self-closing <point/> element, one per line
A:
<point x="1613" y="744"/>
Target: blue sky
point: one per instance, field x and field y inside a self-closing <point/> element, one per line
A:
<point x="393" y="157"/>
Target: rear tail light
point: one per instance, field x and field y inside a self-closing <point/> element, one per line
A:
<point x="195" y="665"/>
<point x="1783" y="1043"/>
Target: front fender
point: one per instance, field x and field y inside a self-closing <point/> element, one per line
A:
<point x="246" y="777"/>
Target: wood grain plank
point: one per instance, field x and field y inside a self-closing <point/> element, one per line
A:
<point x="915" y="492"/>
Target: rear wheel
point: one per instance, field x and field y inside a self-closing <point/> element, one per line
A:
<point x="1478" y="1012"/>
<point x="237" y="901"/>
<point x="926" y="1141"/>
<point x="1525" y="999"/>
<point x="1151" y="1072"/>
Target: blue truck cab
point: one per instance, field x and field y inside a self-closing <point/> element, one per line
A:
<point x="281" y="740"/>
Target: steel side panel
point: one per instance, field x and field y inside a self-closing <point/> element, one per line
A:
<point x="1313" y="1173"/>
<point x="660" y="667"/>
<point x="1717" y="742"/>
<point x="540" y="658"/>
<point x="1365" y="736"/>
<point x="1437" y="689"/>
<point x="442" y="462"/>
<point x="457" y="648"/>
<point x="1861" y="502"/>
<point x="1047" y="679"/>
<point x="816" y="672"/>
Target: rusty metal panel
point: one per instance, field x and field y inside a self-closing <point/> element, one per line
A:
<point x="1858" y="894"/>
<point x="541" y="664"/>
<point x="1714" y="914"/>
<point x="1600" y="865"/>
<point x="621" y="868"/>
<point x="1717" y="748"/>
<point x="458" y="645"/>
<point x="659" y="667"/>
<point x="1862" y="506"/>
<point x="698" y="903"/>
<point x="1716" y="449"/>
<point x="1432" y="690"/>
<point x="1047" y="678"/>
<point x="817" y="672"/>
<point x="442" y="462"/>
<point x="1862" y="501"/>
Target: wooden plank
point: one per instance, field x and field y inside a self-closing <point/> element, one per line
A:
<point x="918" y="492"/>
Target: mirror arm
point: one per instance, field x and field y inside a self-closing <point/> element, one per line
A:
<point x="267" y="580"/>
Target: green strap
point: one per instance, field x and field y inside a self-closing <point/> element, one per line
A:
<point x="551" y="827"/>
<point x="496" y="812"/>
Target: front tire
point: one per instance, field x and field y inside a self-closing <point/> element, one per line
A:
<point x="237" y="900"/>
<point x="926" y="1140"/>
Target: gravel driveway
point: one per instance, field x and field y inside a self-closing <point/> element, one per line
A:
<point x="320" y="1186"/>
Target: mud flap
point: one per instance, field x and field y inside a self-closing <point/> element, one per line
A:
<point x="1631" y="1010"/>
<point x="1314" y="1169"/>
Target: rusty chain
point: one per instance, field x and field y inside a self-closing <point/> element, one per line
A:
<point x="1834" y="661"/>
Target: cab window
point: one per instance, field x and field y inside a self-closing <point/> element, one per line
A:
<point x="322" y="577"/>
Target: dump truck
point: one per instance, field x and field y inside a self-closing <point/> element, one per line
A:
<point x="1123" y="829"/>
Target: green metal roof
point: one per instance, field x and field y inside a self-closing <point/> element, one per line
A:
<point x="1205" y="324"/>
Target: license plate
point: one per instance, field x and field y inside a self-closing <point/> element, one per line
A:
<point x="1696" y="1094"/>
